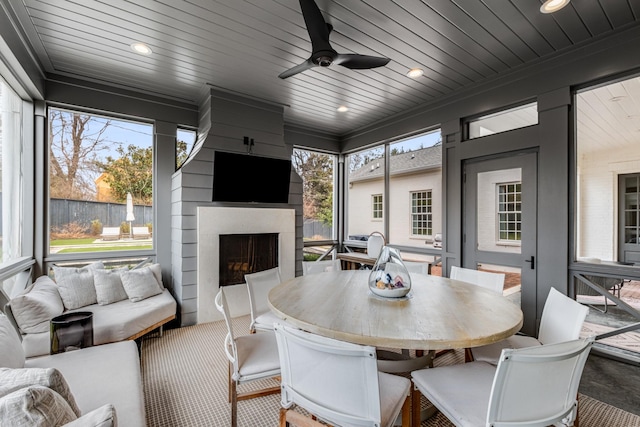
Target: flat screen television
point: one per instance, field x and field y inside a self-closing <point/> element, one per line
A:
<point x="250" y="179"/>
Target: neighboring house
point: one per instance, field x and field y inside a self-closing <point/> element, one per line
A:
<point x="415" y="194"/>
<point x="103" y="189"/>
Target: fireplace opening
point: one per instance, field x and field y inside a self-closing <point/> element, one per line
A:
<point x="242" y="254"/>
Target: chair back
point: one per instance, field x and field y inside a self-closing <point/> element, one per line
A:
<point x="334" y="380"/>
<point x="375" y="242"/>
<point x="259" y="284"/>
<point x="538" y="386"/>
<point x="417" y="267"/>
<point x="486" y="279"/>
<point x="562" y="318"/>
<point x="230" y="348"/>
<point x="312" y="267"/>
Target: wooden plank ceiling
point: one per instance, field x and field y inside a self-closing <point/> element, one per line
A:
<point x="242" y="46"/>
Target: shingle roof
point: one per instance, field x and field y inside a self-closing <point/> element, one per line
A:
<point x="409" y="162"/>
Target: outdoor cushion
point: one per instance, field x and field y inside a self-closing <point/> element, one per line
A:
<point x="37" y="305"/>
<point x="35" y="406"/>
<point x="12" y="354"/>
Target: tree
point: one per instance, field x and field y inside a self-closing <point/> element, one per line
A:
<point x="130" y="172"/>
<point x="75" y="141"/>
<point x="316" y="171"/>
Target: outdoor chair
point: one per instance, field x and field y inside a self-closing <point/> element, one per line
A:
<point x="311" y="267"/>
<point x="110" y="233"/>
<point x="337" y="382"/>
<point x="258" y="285"/>
<point x="562" y="320"/>
<point x="251" y="357"/>
<point x="141" y="232"/>
<point x="417" y="267"/>
<point x="486" y="279"/>
<point x="535" y="386"/>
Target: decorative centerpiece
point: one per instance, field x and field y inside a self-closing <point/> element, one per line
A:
<point x="389" y="277"/>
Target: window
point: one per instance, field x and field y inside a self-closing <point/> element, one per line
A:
<point x="502" y="121"/>
<point x="365" y="179"/>
<point x="100" y="180"/>
<point x="376" y="206"/>
<point x="509" y="212"/>
<point x="185" y="140"/>
<point x="421" y="224"/>
<point x="11" y="177"/>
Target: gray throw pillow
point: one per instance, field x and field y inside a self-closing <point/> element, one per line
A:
<point x="76" y="285"/>
<point x="140" y="284"/>
<point x="37" y="305"/>
<point x="35" y="406"/>
<point x="109" y="287"/>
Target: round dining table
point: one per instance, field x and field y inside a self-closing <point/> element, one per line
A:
<point x="438" y="313"/>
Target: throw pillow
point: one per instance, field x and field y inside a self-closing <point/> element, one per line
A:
<point x="35" y="406"/>
<point x="16" y="379"/>
<point x="76" y="285"/>
<point x="140" y="284"/>
<point x="104" y="416"/>
<point x="12" y="353"/>
<point x="109" y="287"/>
<point x="37" y="305"/>
<point x="157" y="272"/>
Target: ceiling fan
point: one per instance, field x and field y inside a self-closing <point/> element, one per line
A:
<point x="323" y="55"/>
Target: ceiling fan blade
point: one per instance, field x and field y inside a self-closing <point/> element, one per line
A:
<point x="359" y="62"/>
<point x="317" y="28"/>
<point x="297" y="69"/>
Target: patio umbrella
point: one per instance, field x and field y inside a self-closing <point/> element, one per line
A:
<point x="130" y="216"/>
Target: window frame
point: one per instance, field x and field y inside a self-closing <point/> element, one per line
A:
<point x="428" y="213"/>
<point x="518" y="213"/>
<point x="377" y="207"/>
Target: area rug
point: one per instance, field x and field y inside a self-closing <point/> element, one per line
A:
<point x="185" y="375"/>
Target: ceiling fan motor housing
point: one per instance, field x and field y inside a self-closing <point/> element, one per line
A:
<point x="324" y="58"/>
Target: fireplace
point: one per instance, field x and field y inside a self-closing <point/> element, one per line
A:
<point x="242" y="254"/>
<point x="270" y="229"/>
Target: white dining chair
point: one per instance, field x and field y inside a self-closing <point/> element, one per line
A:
<point x="562" y="320"/>
<point x="488" y="280"/>
<point x="535" y="386"/>
<point x="337" y="382"/>
<point x="322" y="266"/>
<point x="251" y="357"/>
<point x="258" y="285"/>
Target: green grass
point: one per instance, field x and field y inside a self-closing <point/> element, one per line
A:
<point x="105" y="248"/>
<point x="66" y="242"/>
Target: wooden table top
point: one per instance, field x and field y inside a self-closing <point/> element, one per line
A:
<point x="438" y="314"/>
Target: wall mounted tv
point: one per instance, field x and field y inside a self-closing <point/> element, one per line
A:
<point x="250" y="179"/>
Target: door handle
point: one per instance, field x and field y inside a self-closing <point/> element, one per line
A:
<point x="532" y="260"/>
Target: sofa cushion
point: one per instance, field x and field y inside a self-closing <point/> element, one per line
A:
<point x="15" y="379"/>
<point x="76" y="285"/>
<point x="140" y="284"/>
<point x="108" y="286"/>
<point x="90" y="375"/>
<point x="37" y="305"/>
<point x="12" y="354"/>
<point x="35" y="406"/>
<point x="104" y="416"/>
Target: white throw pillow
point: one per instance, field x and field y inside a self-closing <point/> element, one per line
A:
<point x="11" y="351"/>
<point x="140" y="284"/>
<point x="76" y="285"/>
<point x="157" y="272"/>
<point x="35" y="406"/>
<point x="37" y="305"/>
<point x="108" y="286"/>
<point x="104" y="416"/>
<point x="16" y="379"/>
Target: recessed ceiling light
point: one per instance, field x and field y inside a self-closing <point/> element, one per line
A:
<point x="343" y="109"/>
<point x="414" y="73"/>
<point x="141" y="48"/>
<point x="550" y="6"/>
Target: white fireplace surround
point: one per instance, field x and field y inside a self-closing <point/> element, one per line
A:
<point x="212" y="221"/>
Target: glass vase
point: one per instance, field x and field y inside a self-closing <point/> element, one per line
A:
<point x="389" y="277"/>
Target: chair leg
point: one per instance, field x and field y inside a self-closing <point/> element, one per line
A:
<point x="234" y="405"/>
<point x="406" y="412"/>
<point x="415" y="406"/>
<point x="468" y="355"/>
<point x="283" y="417"/>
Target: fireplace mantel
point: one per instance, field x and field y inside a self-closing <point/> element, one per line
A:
<point x="212" y="221"/>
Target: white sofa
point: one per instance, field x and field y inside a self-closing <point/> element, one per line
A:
<point x="100" y="386"/>
<point x="126" y="304"/>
